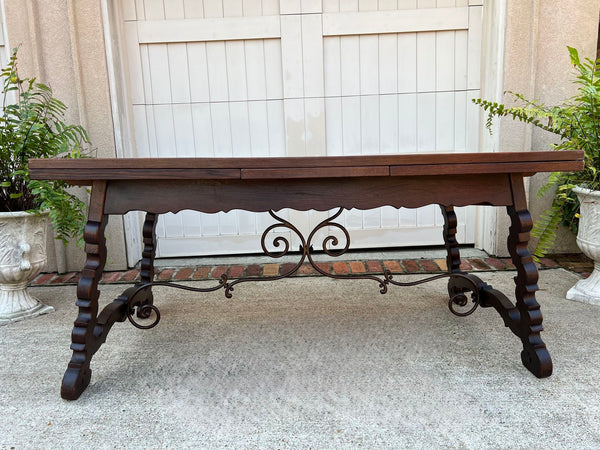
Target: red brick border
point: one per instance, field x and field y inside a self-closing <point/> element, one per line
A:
<point x="574" y="262"/>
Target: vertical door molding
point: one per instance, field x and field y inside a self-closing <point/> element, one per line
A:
<point x="492" y="75"/>
<point x="113" y="20"/>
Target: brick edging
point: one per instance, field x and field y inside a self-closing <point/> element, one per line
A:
<point x="406" y="266"/>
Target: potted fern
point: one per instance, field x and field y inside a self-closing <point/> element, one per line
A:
<point x="576" y="201"/>
<point x="31" y="126"/>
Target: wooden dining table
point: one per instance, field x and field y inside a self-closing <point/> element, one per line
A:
<point x="162" y="185"/>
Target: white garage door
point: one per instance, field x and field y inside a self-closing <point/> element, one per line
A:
<point x="302" y="77"/>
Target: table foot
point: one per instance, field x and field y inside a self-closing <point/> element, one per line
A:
<point x="535" y="356"/>
<point x="74" y="382"/>
<point x="537" y="360"/>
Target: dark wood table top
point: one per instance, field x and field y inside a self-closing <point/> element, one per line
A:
<point x="85" y="171"/>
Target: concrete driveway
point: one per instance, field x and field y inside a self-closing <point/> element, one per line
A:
<point x="307" y="363"/>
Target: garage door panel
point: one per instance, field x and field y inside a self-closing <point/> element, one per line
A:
<point x="183" y="125"/>
<point x="221" y="129"/>
<point x="273" y="69"/>
<point x="314" y="134"/>
<point x="389" y="124"/>
<point x="154" y="9"/>
<point x="334" y="126"/>
<point x="236" y="78"/>
<point x="426" y="122"/>
<point x="193" y="9"/>
<point x="165" y="130"/>
<point x="472" y="131"/>
<point x="206" y="130"/>
<point x="216" y="57"/>
<point x="158" y="74"/>
<point x="369" y="64"/>
<point x="474" y="46"/>
<point x="407" y="4"/>
<point x="444" y="121"/>
<point x="407" y="123"/>
<point x="236" y="64"/>
<point x="259" y="128"/>
<point x="203" y="130"/>
<point x="254" y="59"/>
<point x="445" y="47"/>
<point x="197" y="66"/>
<point x="240" y="129"/>
<point x="351" y="126"/>
<point x="370" y="124"/>
<point x="407" y="59"/>
<point x="461" y="60"/>
<point x="460" y="120"/>
<point x="349" y="65"/>
<point x="388" y="58"/>
<point x="312" y="59"/>
<point x="276" y="128"/>
<point x="192" y="223"/>
<point x="362" y="65"/>
<point x="174" y="9"/>
<point x="213" y="8"/>
<point x="426" y="62"/>
<point x="232" y="8"/>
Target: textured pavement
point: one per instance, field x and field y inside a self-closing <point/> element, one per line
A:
<point x="304" y="363"/>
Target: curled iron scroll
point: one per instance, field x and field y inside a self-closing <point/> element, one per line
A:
<point x="456" y="298"/>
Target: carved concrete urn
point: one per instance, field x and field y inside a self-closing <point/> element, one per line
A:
<point x="588" y="239"/>
<point x="22" y="258"/>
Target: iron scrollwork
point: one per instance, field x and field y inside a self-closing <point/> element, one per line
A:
<point x="306" y="251"/>
<point x="145" y="311"/>
<point x="457" y="297"/>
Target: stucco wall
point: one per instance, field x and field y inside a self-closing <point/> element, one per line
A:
<point x="62" y="44"/>
<point x="537" y="64"/>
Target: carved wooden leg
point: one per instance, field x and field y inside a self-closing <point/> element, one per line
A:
<point x="525" y="318"/>
<point x="535" y="356"/>
<point x="457" y="287"/>
<point x="78" y="374"/>
<point x="147" y="264"/>
<point x="453" y="253"/>
<point x="528" y="326"/>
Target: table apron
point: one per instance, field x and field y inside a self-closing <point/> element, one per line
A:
<point x="162" y="196"/>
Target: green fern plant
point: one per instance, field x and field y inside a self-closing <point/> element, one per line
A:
<point x="32" y="126"/>
<point x="577" y="122"/>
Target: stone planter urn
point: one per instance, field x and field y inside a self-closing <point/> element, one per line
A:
<point x="588" y="239"/>
<point x="22" y="258"/>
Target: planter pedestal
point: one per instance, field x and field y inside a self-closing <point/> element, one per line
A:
<point x="588" y="240"/>
<point x="16" y="303"/>
<point x="22" y="257"/>
<point x="587" y="290"/>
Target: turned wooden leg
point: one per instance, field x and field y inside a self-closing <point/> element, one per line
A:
<point x="78" y="374"/>
<point x="147" y="263"/>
